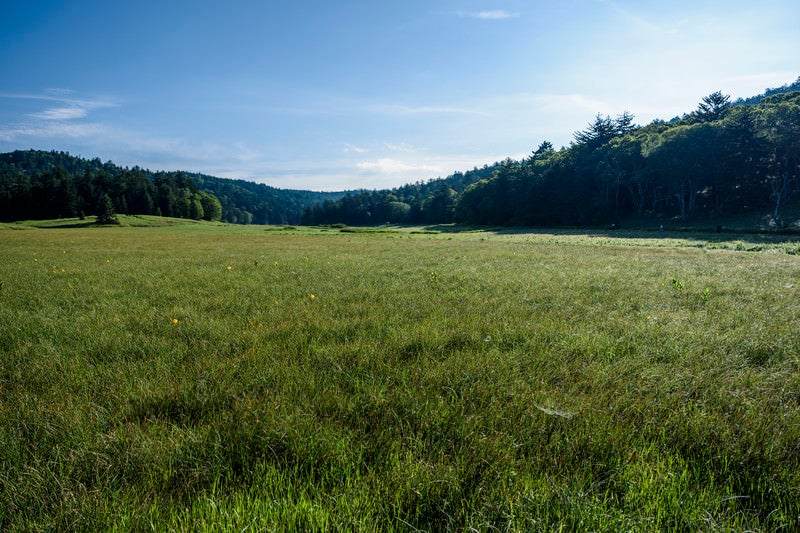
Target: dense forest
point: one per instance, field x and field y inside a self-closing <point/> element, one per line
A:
<point x="40" y="185"/>
<point x="722" y="159"/>
<point x="430" y="202"/>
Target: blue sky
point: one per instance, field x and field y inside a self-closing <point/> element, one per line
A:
<point x="328" y="95"/>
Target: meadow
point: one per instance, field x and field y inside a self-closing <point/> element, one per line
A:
<point x="212" y="377"/>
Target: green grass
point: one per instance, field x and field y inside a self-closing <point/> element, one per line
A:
<point x="181" y="377"/>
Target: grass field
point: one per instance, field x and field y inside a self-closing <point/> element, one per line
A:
<point x="210" y="377"/>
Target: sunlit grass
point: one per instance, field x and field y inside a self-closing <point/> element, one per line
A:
<point x="216" y="377"/>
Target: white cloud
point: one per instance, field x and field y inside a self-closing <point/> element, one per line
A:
<point x="397" y="109"/>
<point x="61" y="113"/>
<point x="496" y="14"/>
<point x="57" y="92"/>
<point x="55" y="122"/>
<point x="401" y="147"/>
<point x="353" y="148"/>
<point x="50" y="130"/>
<point x="63" y="96"/>
<point x="391" y="172"/>
<point x="387" y="165"/>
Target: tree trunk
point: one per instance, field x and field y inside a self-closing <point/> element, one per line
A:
<point x="682" y="203"/>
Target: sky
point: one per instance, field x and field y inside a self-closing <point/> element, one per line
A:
<point x="341" y="95"/>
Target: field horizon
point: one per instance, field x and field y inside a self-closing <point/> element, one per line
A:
<point x="204" y="376"/>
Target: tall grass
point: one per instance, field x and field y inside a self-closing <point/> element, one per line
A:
<point x="185" y="378"/>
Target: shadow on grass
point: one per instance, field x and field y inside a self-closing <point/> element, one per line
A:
<point x="688" y="233"/>
<point x="134" y="221"/>
<point x="58" y="224"/>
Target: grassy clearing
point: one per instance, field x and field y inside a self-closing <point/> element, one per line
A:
<point x="213" y="377"/>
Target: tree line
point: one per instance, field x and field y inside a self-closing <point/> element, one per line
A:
<point x="722" y="159"/>
<point x="38" y="184"/>
<point x="42" y="185"/>
<point x="431" y="202"/>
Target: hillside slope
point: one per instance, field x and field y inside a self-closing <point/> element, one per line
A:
<point x="37" y="184"/>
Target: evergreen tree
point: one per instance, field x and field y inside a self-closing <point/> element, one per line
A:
<point x="105" y="211"/>
<point x="713" y="107"/>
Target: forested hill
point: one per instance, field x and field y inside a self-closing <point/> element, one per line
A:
<point x="39" y="184"/>
<point x="722" y="159"/>
<point x="788" y="88"/>
<point x="429" y="202"/>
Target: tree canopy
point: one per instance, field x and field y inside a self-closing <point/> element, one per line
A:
<point x="714" y="106"/>
<point x="37" y="185"/>
<point x="722" y="159"/>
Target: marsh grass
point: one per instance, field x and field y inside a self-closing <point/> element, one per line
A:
<point x="181" y="377"/>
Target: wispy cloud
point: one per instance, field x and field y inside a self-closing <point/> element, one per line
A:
<point x="50" y="130"/>
<point x="64" y="97"/>
<point x="505" y="104"/>
<point x="495" y="14"/>
<point x="401" y="147"/>
<point x="397" y="109"/>
<point x="54" y="121"/>
<point x="61" y="113"/>
<point x="61" y="121"/>
<point x="69" y="125"/>
<point x="353" y="148"/>
<point x="632" y="18"/>
<point x="572" y="102"/>
<point x="387" y="165"/>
